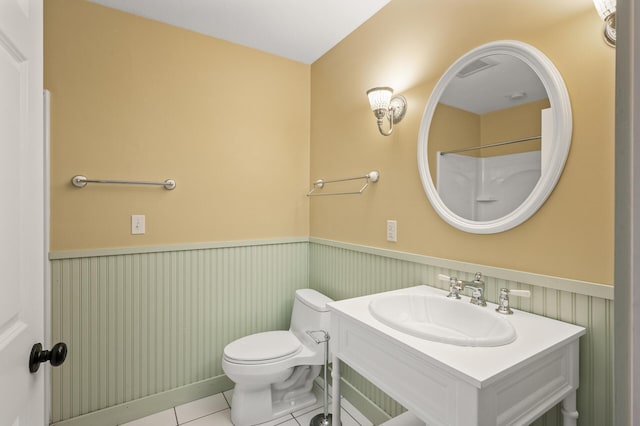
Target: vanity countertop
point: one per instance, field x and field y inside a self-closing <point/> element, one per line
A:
<point x="537" y="336"/>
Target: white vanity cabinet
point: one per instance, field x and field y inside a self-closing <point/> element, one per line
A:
<point x="449" y="385"/>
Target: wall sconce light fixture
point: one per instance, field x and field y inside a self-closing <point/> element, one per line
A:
<point x="607" y="11"/>
<point x="384" y="105"/>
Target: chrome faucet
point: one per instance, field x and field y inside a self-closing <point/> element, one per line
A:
<point x="454" y="288"/>
<point x="477" y="287"/>
<point x="503" y="301"/>
<point x="477" y="290"/>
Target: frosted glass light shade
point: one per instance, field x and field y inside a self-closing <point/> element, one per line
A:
<point x="607" y="11"/>
<point x="605" y="8"/>
<point x="379" y="98"/>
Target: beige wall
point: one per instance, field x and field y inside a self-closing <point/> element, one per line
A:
<point x="136" y="99"/>
<point x="235" y="128"/>
<point x="408" y="46"/>
<point x="518" y="122"/>
<point x="452" y="128"/>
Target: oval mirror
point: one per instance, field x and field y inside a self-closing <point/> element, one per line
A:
<point x="494" y="137"/>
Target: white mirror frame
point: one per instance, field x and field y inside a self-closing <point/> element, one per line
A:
<point x="561" y="142"/>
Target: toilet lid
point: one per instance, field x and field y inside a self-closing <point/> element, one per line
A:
<point x="263" y="347"/>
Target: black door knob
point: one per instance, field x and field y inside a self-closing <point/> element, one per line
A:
<point x="55" y="356"/>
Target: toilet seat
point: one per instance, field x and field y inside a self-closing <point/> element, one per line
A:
<point x="263" y="348"/>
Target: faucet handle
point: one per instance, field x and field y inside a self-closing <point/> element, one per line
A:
<point x="443" y="277"/>
<point x="503" y="301"/>
<point x="454" y="286"/>
<point x="520" y="293"/>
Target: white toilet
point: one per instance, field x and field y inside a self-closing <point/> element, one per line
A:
<point x="274" y="371"/>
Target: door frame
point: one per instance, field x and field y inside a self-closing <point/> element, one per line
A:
<point x="627" y="216"/>
<point x="46" y="127"/>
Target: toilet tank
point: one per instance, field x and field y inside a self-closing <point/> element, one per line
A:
<point x="310" y="311"/>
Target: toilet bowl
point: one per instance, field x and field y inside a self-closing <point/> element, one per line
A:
<point x="274" y="371"/>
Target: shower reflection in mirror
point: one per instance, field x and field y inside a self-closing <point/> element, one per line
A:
<point x="487" y="137"/>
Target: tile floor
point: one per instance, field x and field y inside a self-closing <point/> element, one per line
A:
<point x="215" y="411"/>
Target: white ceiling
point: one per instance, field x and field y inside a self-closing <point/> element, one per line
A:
<point x="507" y="83"/>
<point x="301" y="30"/>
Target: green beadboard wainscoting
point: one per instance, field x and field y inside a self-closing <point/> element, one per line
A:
<point x="146" y="326"/>
<point x="152" y="321"/>
<point x="342" y="270"/>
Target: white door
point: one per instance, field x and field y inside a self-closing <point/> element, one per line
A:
<point x="22" y="251"/>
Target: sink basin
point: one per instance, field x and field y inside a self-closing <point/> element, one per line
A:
<point x="440" y="319"/>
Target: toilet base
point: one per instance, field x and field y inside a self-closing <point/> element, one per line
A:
<point x="303" y="401"/>
<point x="257" y="403"/>
<point x="251" y="406"/>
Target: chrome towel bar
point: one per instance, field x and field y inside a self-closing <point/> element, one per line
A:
<point x="80" y="181"/>
<point x="373" y="176"/>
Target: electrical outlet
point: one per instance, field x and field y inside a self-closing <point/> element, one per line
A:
<point x="392" y="231"/>
<point x="137" y="224"/>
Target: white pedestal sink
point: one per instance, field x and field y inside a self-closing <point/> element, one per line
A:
<point x="454" y="384"/>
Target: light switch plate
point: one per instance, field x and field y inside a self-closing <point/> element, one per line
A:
<point x="392" y="231"/>
<point x="137" y="224"/>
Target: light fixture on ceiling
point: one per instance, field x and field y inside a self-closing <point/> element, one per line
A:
<point x="384" y="105"/>
<point x="607" y="11"/>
